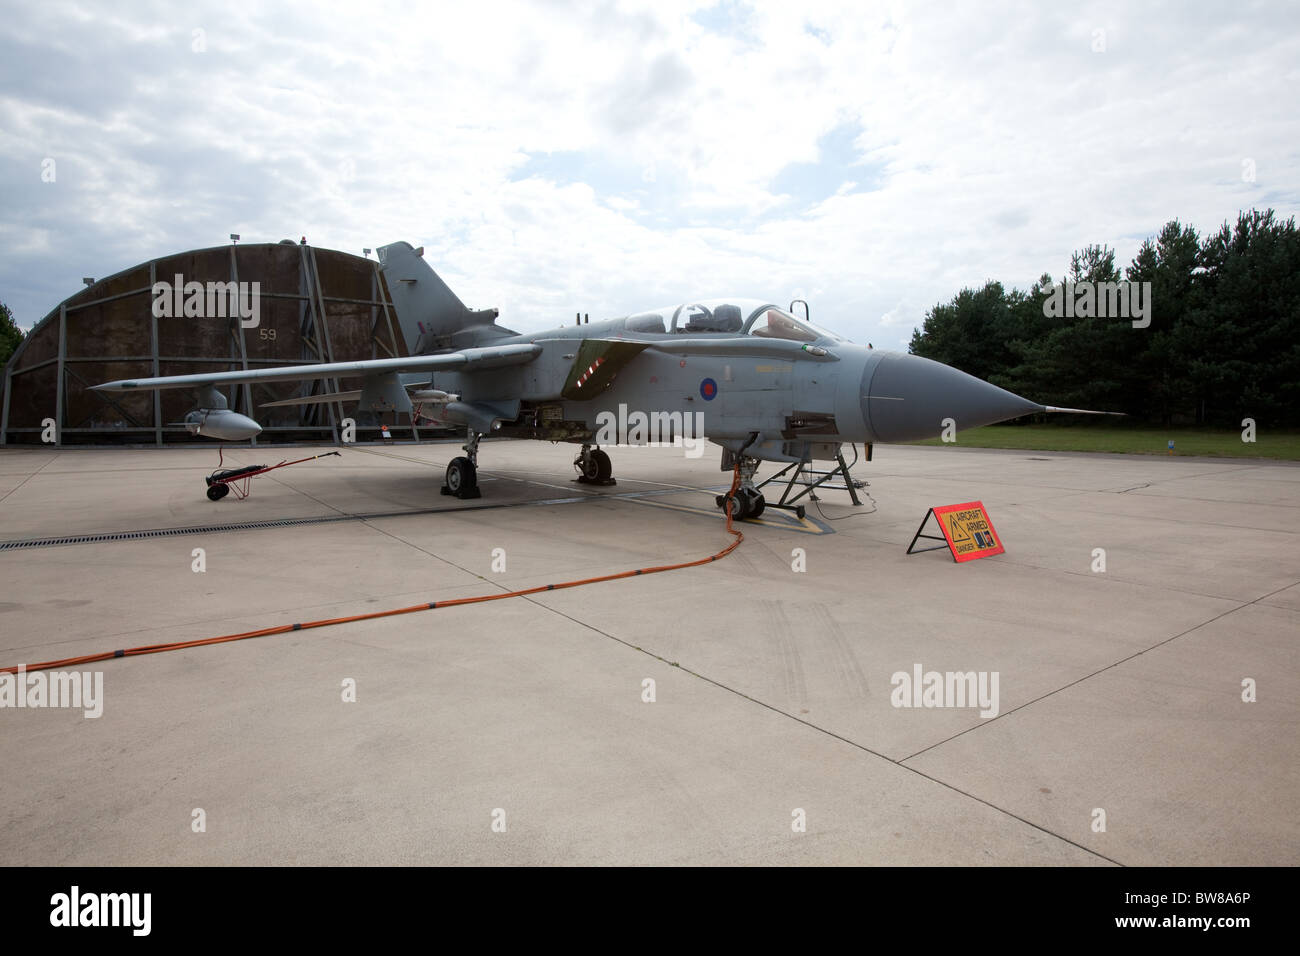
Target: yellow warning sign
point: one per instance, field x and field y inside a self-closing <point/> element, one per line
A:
<point x="969" y="532"/>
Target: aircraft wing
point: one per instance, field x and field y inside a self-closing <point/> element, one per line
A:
<point x="465" y="359"/>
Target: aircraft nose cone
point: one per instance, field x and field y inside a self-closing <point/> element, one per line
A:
<point x="906" y="398"/>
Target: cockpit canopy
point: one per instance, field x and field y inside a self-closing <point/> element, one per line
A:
<point x="729" y="317"/>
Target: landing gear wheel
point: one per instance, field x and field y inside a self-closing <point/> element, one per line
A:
<point x="462" y="479"/>
<point x="218" y="490"/>
<point x="739" y="505"/>
<point x="594" y="468"/>
<point x="747" y="503"/>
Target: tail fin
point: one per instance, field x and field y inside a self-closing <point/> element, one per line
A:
<point x="430" y="314"/>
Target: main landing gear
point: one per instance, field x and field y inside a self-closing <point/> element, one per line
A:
<point x="593" y="467"/>
<point x="462" y="472"/>
<point x="748" y="501"/>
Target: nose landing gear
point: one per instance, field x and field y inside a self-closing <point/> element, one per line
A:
<point x="748" y="501"/>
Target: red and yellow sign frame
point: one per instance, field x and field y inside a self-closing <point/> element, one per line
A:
<point x="967" y="531"/>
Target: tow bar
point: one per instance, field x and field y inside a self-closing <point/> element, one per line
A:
<point x="221" y="483"/>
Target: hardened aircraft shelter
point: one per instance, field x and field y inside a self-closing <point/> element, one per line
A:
<point x="315" y="305"/>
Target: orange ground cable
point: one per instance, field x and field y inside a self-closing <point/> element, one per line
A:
<point x="428" y="606"/>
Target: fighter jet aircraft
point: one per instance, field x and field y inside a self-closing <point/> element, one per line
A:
<point x="747" y="375"/>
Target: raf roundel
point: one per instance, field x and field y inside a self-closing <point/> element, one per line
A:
<point x="708" y="389"/>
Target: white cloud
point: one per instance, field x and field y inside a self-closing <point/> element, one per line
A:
<point x="990" y="143"/>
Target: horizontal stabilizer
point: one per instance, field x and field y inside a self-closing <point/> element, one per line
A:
<point x="428" y="395"/>
<point x="325" y="399"/>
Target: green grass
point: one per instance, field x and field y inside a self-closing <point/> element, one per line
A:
<point x="1129" y="441"/>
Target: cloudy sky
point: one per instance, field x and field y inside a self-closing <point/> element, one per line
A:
<point x="553" y="157"/>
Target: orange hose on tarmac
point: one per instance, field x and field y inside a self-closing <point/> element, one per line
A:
<point x="429" y="606"/>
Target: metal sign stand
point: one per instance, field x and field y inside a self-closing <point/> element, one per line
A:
<point x="929" y="537"/>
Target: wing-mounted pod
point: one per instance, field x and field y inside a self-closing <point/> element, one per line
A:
<point x="482" y="417"/>
<point x="214" y="419"/>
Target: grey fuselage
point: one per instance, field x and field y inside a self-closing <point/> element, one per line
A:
<point x="780" y="400"/>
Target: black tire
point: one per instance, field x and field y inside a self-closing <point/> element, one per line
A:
<point x="604" y="467"/>
<point x="218" y="490"/>
<point x="756" y="502"/>
<point x="462" y="477"/>
<point x="739" y="506"/>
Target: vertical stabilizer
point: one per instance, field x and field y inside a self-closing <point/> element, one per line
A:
<point x="430" y="314"/>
